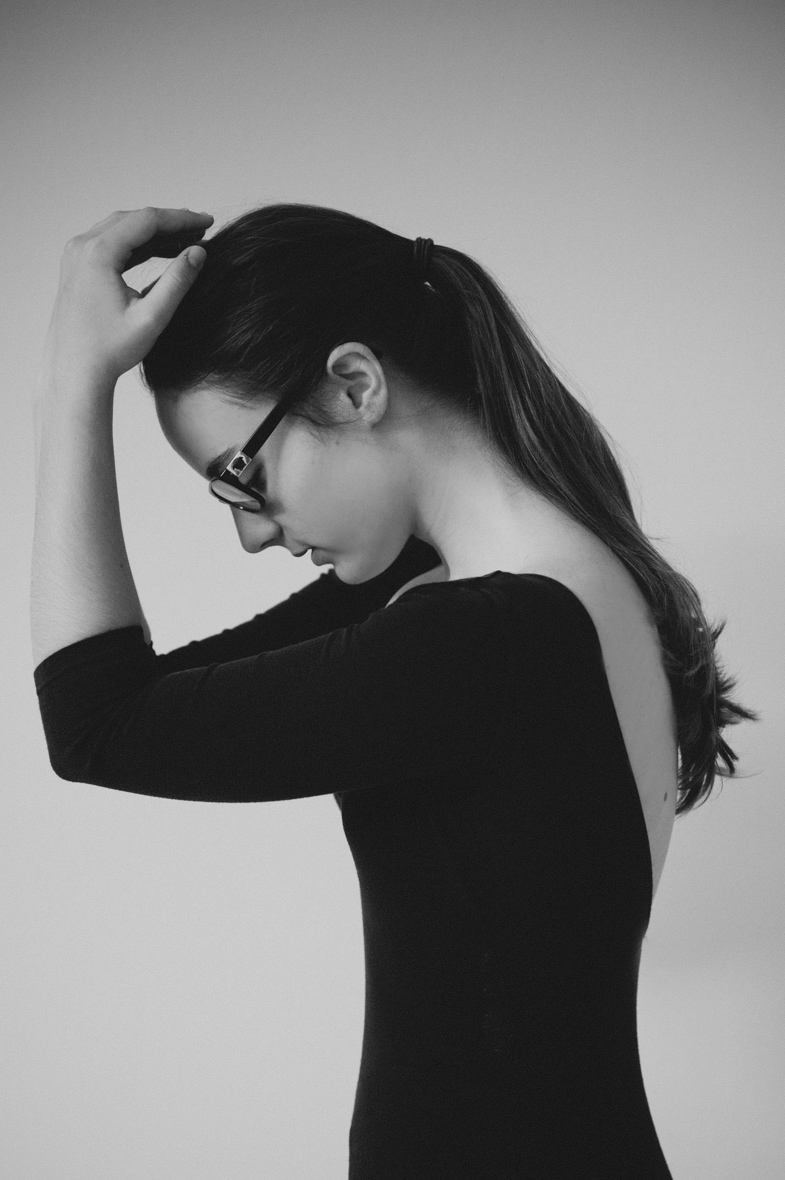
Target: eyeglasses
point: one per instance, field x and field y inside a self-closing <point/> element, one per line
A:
<point x="227" y="486"/>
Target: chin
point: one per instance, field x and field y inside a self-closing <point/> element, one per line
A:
<point x="363" y="568"/>
<point x="351" y="577"/>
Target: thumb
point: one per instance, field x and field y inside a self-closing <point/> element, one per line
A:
<point x="162" y="298"/>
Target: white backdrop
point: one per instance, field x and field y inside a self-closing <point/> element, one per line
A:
<point x="183" y="983"/>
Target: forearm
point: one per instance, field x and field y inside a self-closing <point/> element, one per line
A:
<point x="81" y="580"/>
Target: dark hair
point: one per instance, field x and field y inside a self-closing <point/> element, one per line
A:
<point x="283" y="285"/>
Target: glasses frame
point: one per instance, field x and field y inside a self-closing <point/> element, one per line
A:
<point x="247" y="453"/>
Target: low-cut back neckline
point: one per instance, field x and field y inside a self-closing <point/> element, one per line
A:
<point x="570" y="595"/>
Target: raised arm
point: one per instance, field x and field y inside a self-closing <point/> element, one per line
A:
<point x="100" y="328"/>
<point x="418" y="690"/>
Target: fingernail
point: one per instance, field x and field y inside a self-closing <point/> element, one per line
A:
<point x="196" y="256"/>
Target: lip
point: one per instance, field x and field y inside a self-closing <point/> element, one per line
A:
<point x="318" y="556"/>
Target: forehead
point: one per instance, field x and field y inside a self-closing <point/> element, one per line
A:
<point x="202" y="424"/>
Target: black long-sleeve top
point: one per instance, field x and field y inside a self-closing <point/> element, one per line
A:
<point x="468" y="733"/>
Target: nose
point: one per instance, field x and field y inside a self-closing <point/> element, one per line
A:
<point x="255" y="530"/>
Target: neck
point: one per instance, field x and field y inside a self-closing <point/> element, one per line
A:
<point x="478" y="515"/>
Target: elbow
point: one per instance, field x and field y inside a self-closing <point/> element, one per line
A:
<point x="81" y="752"/>
<point x="76" y="761"/>
<point x="69" y="767"/>
<point x="76" y="769"/>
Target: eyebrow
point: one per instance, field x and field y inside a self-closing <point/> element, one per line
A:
<point x="217" y="465"/>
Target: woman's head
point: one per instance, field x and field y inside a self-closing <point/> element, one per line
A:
<point x="290" y="300"/>
<point x="348" y="490"/>
<point x="283" y="290"/>
<point x="284" y="285"/>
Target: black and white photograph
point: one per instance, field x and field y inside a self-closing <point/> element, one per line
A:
<point x="393" y="533"/>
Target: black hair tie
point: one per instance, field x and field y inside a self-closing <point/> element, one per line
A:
<point x="422" y="257"/>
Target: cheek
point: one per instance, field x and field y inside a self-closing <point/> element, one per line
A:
<point x="328" y="478"/>
<point x="356" y="486"/>
<point x="335" y="490"/>
<point x="312" y="478"/>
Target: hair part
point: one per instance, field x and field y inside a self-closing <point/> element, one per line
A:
<point x="284" y="284"/>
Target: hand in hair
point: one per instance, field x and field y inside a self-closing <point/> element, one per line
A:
<point x="100" y="327"/>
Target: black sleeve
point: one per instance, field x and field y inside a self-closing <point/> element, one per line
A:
<point x="324" y="605"/>
<point x="416" y="690"/>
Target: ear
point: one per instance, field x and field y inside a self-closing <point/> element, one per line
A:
<point x="359" y="383"/>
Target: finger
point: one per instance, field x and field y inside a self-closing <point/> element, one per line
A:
<point x="139" y="226"/>
<point x="163" y="246"/>
<point x="119" y="215"/>
<point x="162" y="298"/>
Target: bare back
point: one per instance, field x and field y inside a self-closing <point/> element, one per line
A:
<point x="641" y="694"/>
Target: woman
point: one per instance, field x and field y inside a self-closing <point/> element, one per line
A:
<point x="508" y="690"/>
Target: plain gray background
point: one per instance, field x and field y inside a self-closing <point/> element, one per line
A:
<point x="182" y="984"/>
